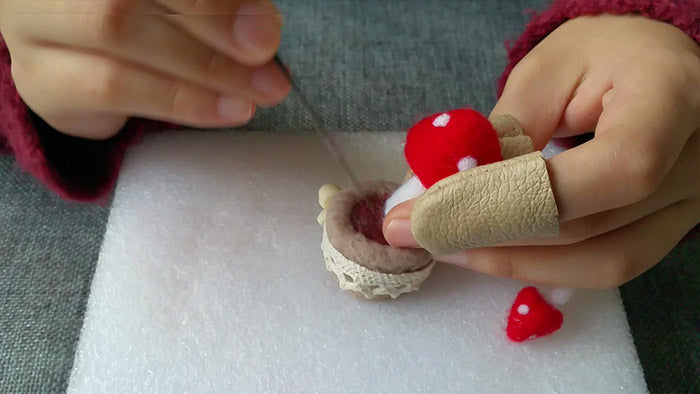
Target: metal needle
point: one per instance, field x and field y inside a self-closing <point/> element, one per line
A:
<point x="318" y="125"/>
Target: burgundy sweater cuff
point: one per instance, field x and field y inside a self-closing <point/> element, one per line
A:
<point x="76" y="169"/>
<point x="684" y="14"/>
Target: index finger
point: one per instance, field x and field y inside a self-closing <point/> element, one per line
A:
<point x="638" y="139"/>
<point x="247" y="30"/>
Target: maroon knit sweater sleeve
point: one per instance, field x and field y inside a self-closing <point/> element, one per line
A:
<point x="75" y="168"/>
<point x="684" y="14"/>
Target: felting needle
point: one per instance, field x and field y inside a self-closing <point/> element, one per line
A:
<point x="318" y="125"/>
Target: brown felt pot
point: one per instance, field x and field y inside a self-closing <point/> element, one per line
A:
<point x="361" y="264"/>
<point x="357" y="247"/>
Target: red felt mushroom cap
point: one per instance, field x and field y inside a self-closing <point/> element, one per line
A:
<point x="436" y="144"/>
<point x="532" y="317"/>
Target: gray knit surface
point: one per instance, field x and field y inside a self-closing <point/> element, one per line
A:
<point x="364" y="65"/>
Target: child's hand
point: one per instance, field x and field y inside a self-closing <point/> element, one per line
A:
<point x="626" y="197"/>
<point x="85" y="66"/>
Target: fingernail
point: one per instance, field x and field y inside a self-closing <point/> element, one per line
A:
<point x="460" y="259"/>
<point x="256" y="28"/>
<point x="398" y="234"/>
<point x="235" y="109"/>
<point x="269" y="82"/>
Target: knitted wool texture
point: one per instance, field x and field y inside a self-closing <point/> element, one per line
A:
<point x="75" y="168"/>
<point x="684" y="14"/>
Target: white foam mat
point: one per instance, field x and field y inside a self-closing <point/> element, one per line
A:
<point x="211" y="279"/>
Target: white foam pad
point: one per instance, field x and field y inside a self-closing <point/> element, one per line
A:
<point x="211" y="279"/>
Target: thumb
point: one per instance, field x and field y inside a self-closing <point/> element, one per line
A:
<point x="537" y="92"/>
<point x="397" y="226"/>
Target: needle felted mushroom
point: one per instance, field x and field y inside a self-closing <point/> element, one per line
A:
<point x="464" y="168"/>
<point x="442" y="145"/>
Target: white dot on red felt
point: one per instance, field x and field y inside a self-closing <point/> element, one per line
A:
<point x="466" y="163"/>
<point x="441" y="120"/>
<point x="523" y="309"/>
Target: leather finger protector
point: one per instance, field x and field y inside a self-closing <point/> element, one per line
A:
<point x="487" y="205"/>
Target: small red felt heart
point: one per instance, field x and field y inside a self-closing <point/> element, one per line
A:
<point x="532" y="317"/>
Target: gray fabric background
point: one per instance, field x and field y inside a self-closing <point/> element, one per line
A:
<point x="48" y="251"/>
<point x="366" y="65"/>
